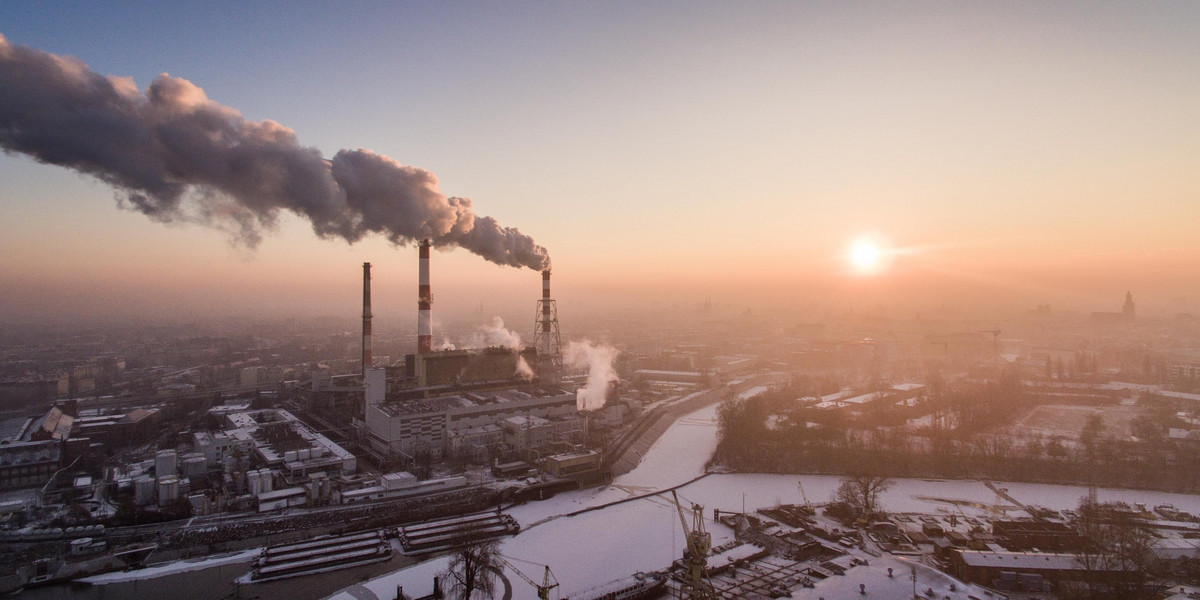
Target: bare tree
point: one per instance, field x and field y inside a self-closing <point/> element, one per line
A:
<point x="1114" y="554"/>
<point x="861" y="493"/>
<point x="472" y="569"/>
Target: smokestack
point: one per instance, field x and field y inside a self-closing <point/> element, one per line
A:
<point x="546" y="305"/>
<point x="424" y="304"/>
<point x="367" y="359"/>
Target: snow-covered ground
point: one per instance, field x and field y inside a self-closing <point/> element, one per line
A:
<point x="1059" y="497"/>
<point x="617" y="540"/>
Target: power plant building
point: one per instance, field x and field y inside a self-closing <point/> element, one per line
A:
<point x="470" y="424"/>
<point x="472" y="404"/>
<point x="462" y="367"/>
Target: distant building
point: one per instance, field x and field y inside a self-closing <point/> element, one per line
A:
<point x="1127" y="315"/>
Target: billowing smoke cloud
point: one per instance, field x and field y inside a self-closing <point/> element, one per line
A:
<point x="174" y="155"/>
<point x="494" y="334"/>
<point x="598" y="359"/>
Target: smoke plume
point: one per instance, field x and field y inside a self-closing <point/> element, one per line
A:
<point x="524" y="371"/>
<point x="598" y="359"/>
<point x="494" y="334"/>
<point x="173" y="154"/>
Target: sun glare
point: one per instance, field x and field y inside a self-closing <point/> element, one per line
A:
<point x="868" y="255"/>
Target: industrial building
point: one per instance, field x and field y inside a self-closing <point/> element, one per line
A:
<point x="28" y="464"/>
<point x="473" y="366"/>
<point x="476" y="404"/>
<point x="281" y="441"/>
<point x="471" y="424"/>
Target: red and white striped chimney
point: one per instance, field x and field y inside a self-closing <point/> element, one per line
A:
<point x="424" y="304"/>
<point x="367" y="359"/>
<point x="546" y="305"/>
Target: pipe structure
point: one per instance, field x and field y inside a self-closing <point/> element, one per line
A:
<point x="367" y="359"/>
<point x="424" y="304"/>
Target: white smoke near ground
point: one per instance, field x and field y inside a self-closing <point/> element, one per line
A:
<point x="174" y="155"/>
<point x="599" y="361"/>
<point x="446" y="344"/>
<point x="494" y="334"/>
<point x="524" y="371"/>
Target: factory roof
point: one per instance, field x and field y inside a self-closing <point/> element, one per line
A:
<point x="1021" y="560"/>
<point x="57" y="424"/>
<point x="1175" y="548"/>
<point x="11" y="429"/>
<point x="466" y="401"/>
<point x="284" y="493"/>
<point x="524" y="421"/>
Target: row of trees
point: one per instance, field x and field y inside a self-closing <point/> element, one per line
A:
<point x="769" y="433"/>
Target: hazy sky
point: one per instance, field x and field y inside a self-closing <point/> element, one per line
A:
<point x="1011" y="152"/>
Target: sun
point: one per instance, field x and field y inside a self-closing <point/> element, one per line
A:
<point x="869" y="255"/>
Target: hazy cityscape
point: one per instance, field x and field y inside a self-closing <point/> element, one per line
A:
<point x="767" y="300"/>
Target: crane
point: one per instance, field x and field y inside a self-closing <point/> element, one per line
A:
<point x="696" y="584"/>
<point x="808" y="507"/>
<point x="543" y="588"/>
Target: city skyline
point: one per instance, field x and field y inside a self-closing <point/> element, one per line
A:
<point x="1011" y="155"/>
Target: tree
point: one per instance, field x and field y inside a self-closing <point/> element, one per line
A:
<point x="860" y="493"/>
<point x="1114" y="554"/>
<point x="472" y="569"/>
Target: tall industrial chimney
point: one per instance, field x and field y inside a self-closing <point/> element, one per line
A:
<point x="424" y="304"/>
<point x="545" y="335"/>
<point x="367" y="359"/>
<point x="546" y="305"/>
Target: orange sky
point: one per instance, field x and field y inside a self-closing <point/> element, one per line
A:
<point x="1017" y="154"/>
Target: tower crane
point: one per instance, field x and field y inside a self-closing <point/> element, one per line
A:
<point x="543" y="588"/>
<point x="696" y="584"/>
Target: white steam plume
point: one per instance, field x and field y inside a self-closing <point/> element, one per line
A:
<point x="598" y="359"/>
<point x="174" y="155"/>
<point x="524" y="371"/>
<point x="494" y="334"/>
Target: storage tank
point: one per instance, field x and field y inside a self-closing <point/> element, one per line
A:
<point x="195" y="466"/>
<point x="253" y="483"/>
<point x="143" y="491"/>
<point x="168" y="490"/>
<point x="166" y="463"/>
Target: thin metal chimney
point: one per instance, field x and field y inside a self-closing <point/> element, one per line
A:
<point x="424" y="304"/>
<point x="367" y="359"/>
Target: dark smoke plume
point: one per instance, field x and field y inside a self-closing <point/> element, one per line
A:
<point x="174" y="155"/>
